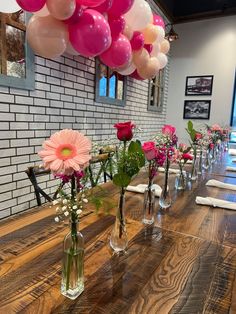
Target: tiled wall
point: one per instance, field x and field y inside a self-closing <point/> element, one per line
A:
<point x="63" y="98"/>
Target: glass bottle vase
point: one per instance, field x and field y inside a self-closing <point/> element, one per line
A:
<point x="194" y="171"/>
<point x="149" y="205"/>
<point x="180" y="181"/>
<point x="119" y="238"/>
<point x="199" y="166"/>
<point x="165" y="199"/>
<point x="72" y="284"/>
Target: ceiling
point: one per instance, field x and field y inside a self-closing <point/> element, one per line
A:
<point x="180" y="11"/>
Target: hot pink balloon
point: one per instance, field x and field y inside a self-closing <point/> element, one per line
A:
<point x="120" y="53"/>
<point x="104" y="7"/>
<point x="90" y="3"/>
<point x="137" y="41"/>
<point x="91" y="36"/>
<point x="76" y="15"/>
<point x="120" y="7"/>
<point x="148" y="47"/>
<point x="31" y="5"/>
<point x="117" y="25"/>
<point x="158" y="20"/>
<point x="136" y="76"/>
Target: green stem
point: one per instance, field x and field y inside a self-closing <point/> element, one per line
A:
<point x="166" y="176"/>
<point x="149" y="188"/>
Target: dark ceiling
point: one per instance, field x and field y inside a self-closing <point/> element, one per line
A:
<point x="179" y="11"/>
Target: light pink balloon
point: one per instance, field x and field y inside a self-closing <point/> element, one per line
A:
<point x="136" y="76"/>
<point x="104" y="7"/>
<point x="76" y="15"/>
<point x="165" y="46"/>
<point x="163" y="60"/>
<point x="91" y="36"/>
<point x="61" y="9"/>
<point x="118" y="54"/>
<point x="120" y="7"/>
<point x="150" y="70"/>
<point x="137" y="41"/>
<point x="129" y="69"/>
<point x="43" y="12"/>
<point x="158" y="20"/>
<point x="31" y="5"/>
<point x="91" y="3"/>
<point x="47" y="36"/>
<point x="117" y="25"/>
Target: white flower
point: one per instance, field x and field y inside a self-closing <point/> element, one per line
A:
<point x="74" y="207"/>
<point x="85" y="200"/>
<point x="66" y="213"/>
<point x="64" y="208"/>
<point x="57" y="219"/>
<point x="79" y="211"/>
<point x="65" y="201"/>
<point x="55" y="202"/>
<point x="57" y="209"/>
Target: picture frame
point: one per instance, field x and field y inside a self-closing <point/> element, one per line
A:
<point x="200" y="85"/>
<point x="197" y="109"/>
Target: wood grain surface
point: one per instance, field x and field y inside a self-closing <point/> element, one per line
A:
<point x="184" y="263"/>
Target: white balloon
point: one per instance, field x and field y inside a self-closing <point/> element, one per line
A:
<point x="43" y="12"/>
<point x="161" y="34"/>
<point x="9" y="6"/>
<point x="162" y="58"/>
<point x="139" y="16"/>
<point x="130" y="69"/>
<point x="156" y="48"/>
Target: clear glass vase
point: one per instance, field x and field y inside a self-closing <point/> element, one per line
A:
<point x="180" y="181"/>
<point x="199" y="164"/>
<point x="193" y="174"/>
<point x="206" y="160"/>
<point x="165" y="199"/>
<point x="72" y="284"/>
<point x="119" y="238"/>
<point x="149" y="205"/>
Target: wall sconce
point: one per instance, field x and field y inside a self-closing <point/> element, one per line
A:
<point x="171" y="35"/>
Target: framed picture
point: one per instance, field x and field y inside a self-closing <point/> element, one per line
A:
<point x="197" y="109"/>
<point x="199" y="85"/>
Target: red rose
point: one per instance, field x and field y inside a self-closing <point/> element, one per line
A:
<point x="150" y="150"/>
<point x="187" y="156"/>
<point x="198" y="136"/>
<point x="211" y="145"/>
<point x="124" y="131"/>
<point x="168" y="130"/>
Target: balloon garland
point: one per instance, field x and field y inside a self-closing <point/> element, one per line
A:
<point x="125" y="34"/>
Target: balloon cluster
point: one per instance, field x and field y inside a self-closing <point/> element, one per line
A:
<point x="125" y="34"/>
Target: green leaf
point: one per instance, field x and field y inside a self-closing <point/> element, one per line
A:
<point x="190" y="125"/>
<point x="121" y="179"/>
<point x="133" y="147"/>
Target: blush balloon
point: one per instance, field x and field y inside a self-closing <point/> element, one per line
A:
<point x="61" y="9"/>
<point x="158" y="21"/>
<point x="104" y="7"/>
<point x="127" y="70"/>
<point x="137" y="41"/>
<point x="141" y="57"/>
<point x="117" y="25"/>
<point x="91" y="36"/>
<point x="76" y="15"/>
<point x="31" y="5"/>
<point x="162" y="58"/>
<point x="139" y="16"/>
<point x="128" y="32"/>
<point x="150" y="70"/>
<point x="119" y="54"/>
<point x="43" y="12"/>
<point x="120" y="7"/>
<point x="136" y="76"/>
<point x="165" y="46"/>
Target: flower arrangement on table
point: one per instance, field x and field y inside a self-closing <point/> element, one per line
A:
<point x="166" y="141"/>
<point x="67" y="154"/>
<point x="155" y="158"/>
<point x="219" y="135"/>
<point x="130" y="160"/>
<point x="181" y="156"/>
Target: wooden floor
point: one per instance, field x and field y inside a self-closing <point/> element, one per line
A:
<point x="184" y="263"/>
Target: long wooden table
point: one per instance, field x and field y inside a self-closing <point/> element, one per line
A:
<point x="184" y="263"/>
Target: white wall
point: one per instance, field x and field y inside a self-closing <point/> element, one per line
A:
<point x="205" y="47"/>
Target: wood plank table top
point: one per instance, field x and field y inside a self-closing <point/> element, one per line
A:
<point x="184" y="263"/>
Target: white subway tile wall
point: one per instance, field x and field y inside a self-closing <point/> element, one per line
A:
<point x="63" y="98"/>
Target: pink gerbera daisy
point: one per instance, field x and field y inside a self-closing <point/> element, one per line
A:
<point x="66" y="151"/>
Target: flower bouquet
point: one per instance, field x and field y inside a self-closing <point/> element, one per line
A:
<point x="67" y="154"/>
<point x="181" y="156"/>
<point x="155" y="159"/>
<point x="130" y="160"/>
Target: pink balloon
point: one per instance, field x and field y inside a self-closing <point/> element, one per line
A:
<point x="118" y="54"/>
<point x="148" y="47"/>
<point x="90" y="3"/>
<point x="137" y="41"/>
<point x="117" y="26"/>
<point x="91" y="36"/>
<point x="76" y="15"/>
<point x="136" y="76"/>
<point x="120" y="7"/>
<point x="158" y="20"/>
<point x="31" y="5"/>
<point x="104" y="7"/>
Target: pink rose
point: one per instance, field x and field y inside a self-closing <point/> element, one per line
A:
<point x="168" y="130"/>
<point x="187" y="156"/>
<point x="149" y="149"/>
<point x="124" y="131"/>
<point x="198" y="136"/>
<point x="211" y="145"/>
